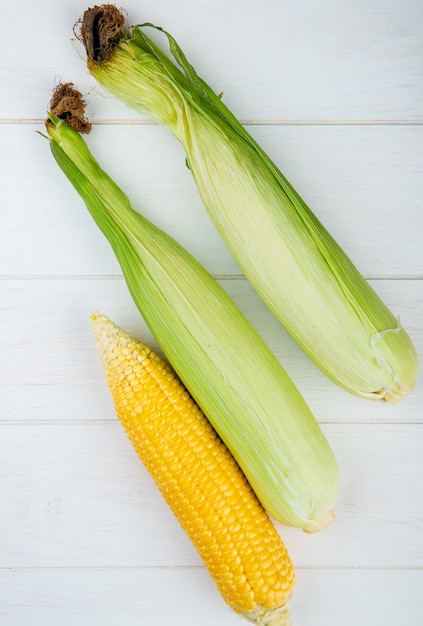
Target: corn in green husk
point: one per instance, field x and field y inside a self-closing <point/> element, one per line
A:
<point x="296" y="267"/>
<point x="228" y="369"/>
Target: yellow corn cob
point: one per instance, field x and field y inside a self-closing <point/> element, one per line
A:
<point x="198" y="477"/>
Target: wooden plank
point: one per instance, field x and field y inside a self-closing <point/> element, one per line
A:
<point x="186" y="596"/>
<point x="76" y="495"/>
<point x="364" y="183"/>
<point x="273" y="60"/>
<point x="48" y="357"/>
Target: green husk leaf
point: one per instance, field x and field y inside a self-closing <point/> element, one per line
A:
<point x="294" y="264"/>
<point x="233" y="376"/>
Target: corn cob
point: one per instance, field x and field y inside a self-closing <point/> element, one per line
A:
<point x="296" y="267"/>
<point x="198" y="478"/>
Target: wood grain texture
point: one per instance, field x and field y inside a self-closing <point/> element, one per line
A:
<point x="333" y="91"/>
<point x="131" y="596"/>
<point x="364" y="183"/>
<point x="76" y="495"/>
<point x="326" y="60"/>
<point x="48" y="349"/>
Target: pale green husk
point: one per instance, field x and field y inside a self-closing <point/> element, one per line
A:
<point x="296" y="267"/>
<point x="226" y="366"/>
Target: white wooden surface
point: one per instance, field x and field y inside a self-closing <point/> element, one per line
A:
<point x="334" y="91"/>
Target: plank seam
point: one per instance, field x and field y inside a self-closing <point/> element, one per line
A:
<point x="6" y="277"/>
<point x="114" y="421"/>
<point x="245" y="122"/>
<point x="106" y="568"/>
